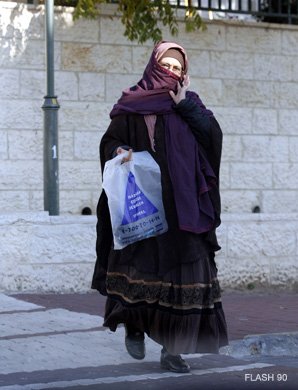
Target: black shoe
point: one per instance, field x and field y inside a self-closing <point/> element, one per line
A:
<point x="173" y="363"/>
<point x="135" y="343"/>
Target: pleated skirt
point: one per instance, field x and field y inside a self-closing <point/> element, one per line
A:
<point x="180" y="309"/>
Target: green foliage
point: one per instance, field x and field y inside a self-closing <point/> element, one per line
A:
<point x="193" y="21"/>
<point x="87" y="8"/>
<point x="141" y="18"/>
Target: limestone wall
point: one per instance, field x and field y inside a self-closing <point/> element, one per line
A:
<point x="246" y="72"/>
<point x="57" y="254"/>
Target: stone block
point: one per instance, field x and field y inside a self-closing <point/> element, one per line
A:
<point x="23" y="218"/>
<point x="81" y="175"/>
<point x="293" y="149"/>
<point x="86" y="145"/>
<point x="234" y="120"/>
<point x="253" y="39"/>
<point x="58" y="278"/>
<point x="14" y="244"/>
<point x="66" y="86"/>
<point x="284" y="272"/>
<point x="33" y="84"/>
<point x="232" y="148"/>
<point x="25" y="145"/>
<point x="288" y="122"/>
<point x="214" y="38"/>
<point x="21" y="114"/>
<point x="49" y="243"/>
<point x="74" y="201"/>
<point x="19" y="176"/>
<point x="14" y="200"/>
<point x="224" y="175"/>
<point x="7" y="29"/>
<point x="84" y="116"/>
<point x="80" y="30"/>
<point x="200" y="64"/>
<point x="265" y="121"/>
<point x="285" y="176"/>
<point x="209" y="90"/>
<point x="115" y="84"/>
<point x="231" y="65"/>
<point x="89" y="57"/>
<point x="251" y="176"/>
<point x="294" y="61"/>
<point x="272" y="67"/>
<point x="92" y="86"/>
<point x="66" y="145"/>
<point x="288" y="96"/>
<point x="261" y="148"/>
<point x="112" y="32"/>
<point x="280" y="201"/>
<point x="263" y="240"/>
<point x="21" y="22"/>
<point x="3" y="145"/>
<point x="140" y="58"/>
<point x="36" y="200"/>
<point x="235" y="273"/>
<point x="289" y="42"/>
<point x="19" y="53"/>
<point x="244" y="93"/>
<point x="240" y="201"/>
<point x="9" y="83"/>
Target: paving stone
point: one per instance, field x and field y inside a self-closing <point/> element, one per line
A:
<point x="9" y="304"/>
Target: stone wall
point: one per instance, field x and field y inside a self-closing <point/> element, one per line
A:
<point x="57" y="254"/>
<point x="43" y="253"/>
<point x="246" y="72"/>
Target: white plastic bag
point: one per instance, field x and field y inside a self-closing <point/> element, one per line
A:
<point x="134" y="198"/>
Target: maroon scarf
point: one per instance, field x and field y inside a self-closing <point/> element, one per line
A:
<point x="191" y="174"/>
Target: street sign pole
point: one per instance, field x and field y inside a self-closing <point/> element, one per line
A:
<point x="50" y="108"/>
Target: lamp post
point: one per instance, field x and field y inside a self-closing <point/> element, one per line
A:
<point x="50" y="108"/>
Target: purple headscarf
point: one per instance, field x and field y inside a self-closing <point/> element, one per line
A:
<point x="190" y="172"/>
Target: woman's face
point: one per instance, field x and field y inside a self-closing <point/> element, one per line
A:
<point x="171" y="64"/>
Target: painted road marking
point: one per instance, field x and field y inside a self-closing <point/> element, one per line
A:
<point x="133" y="378"/>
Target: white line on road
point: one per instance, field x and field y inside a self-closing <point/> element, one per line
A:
<point x="131" y="378"/>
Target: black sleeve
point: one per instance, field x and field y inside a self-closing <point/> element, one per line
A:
<point x="115" y="136"/>
<point x="197" y="119"/>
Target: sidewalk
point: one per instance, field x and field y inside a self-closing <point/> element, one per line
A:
<point x="54" y="341"/>
<point x="247" y="313"/>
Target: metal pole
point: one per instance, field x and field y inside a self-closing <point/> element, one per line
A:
<point x="50" y="108"/>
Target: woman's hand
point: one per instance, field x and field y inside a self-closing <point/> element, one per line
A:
<point x="181" y="90"/>
<point x="125" y="158"/>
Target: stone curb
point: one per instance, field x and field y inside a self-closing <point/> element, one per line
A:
<point x="270" y="344"/>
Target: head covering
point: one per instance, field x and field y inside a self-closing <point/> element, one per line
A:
<point x="191" y="174"/>
<point x="174" y="53"/>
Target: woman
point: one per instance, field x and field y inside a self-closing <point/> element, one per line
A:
<point x="166" y="286"/>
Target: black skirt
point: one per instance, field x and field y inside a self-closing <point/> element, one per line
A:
<point x="180" y="309"/>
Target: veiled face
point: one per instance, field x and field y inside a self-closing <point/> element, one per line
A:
<point x="171" y="64"/>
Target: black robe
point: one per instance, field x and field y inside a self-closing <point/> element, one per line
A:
<point x="141" y="280"/>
